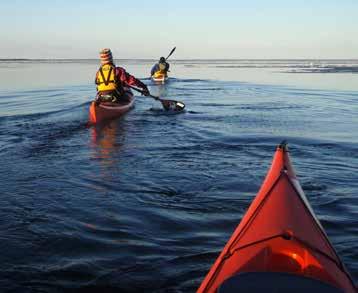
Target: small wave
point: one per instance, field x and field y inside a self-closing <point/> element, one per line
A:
<point x="161" y="111"/>
<point x="34" y="116"/>
<point x="270" y="107"/>
<point x="327" y="69"/>
<point x="199" y="88"/>
<point x="217" y="105"/>
<point x="189" y="80"/>
<point x="313" y="186"/>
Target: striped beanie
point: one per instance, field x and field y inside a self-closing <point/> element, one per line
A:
<point x="106" y="56"/>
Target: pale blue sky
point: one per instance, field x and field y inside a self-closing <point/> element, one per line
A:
<point x="199" y="29"/>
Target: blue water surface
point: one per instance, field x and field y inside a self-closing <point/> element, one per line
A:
<point x="146" y="202"/>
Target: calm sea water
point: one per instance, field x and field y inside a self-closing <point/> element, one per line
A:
<point x="146" y="202"/>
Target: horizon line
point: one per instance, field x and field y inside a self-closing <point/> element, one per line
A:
<point x="185" y="59"/>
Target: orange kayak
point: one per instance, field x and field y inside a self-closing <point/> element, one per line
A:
<point x="279" y="245"/>
<point x="106" y="110"/>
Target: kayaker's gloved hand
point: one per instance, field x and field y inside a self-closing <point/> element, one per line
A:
<point x="145" y="91"/>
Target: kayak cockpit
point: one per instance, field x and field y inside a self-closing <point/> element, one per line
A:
<point x="256" y="282"/>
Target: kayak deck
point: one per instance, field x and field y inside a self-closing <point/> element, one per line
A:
<point x="279" y="233"/>
<point x="160" y="80"/>
<point x="159" y="77"/>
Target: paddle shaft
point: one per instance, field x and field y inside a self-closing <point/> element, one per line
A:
<point x="171" y="52"/>
<point x="142" y="92"/>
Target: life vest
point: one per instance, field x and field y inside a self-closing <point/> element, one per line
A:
<point x="159" y="74"/>
<point x="162" y="66"/>
<point x="106" y="78"/>
<point x="162" y="70"/>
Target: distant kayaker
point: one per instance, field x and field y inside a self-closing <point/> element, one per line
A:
<point x="112" y="81"/>
<point x="162" y="67"/>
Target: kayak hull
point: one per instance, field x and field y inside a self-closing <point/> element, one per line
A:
<point x="106" y="111"/>
<point x="279" y="234"/>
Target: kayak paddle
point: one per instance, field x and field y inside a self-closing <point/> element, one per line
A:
<point x="168" y="105"/>
<point x="171" y="52"/>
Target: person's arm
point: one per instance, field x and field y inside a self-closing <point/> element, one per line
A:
<point x="167" y="67"/>
<point x="128" y="79"/>
<point x="155" y="68"/>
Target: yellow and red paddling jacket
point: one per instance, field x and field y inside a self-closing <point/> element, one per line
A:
<point x="110" y="78"/>
<point x="162" y="68"/>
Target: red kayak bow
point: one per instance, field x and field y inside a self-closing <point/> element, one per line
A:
<point x="279" y="245"/>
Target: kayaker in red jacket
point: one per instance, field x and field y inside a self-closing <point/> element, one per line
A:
<point x="112" y="81"/>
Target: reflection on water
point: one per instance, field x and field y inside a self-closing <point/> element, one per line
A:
<point x="106" y="141"/>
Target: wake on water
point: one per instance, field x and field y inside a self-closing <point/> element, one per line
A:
<point x="147" y="201"/>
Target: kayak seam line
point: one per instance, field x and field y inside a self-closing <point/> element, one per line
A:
<point x="256" y="242"/>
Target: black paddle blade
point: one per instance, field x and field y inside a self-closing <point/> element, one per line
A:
<point x="170" y="105"/>
<point x="171" y="52"/>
